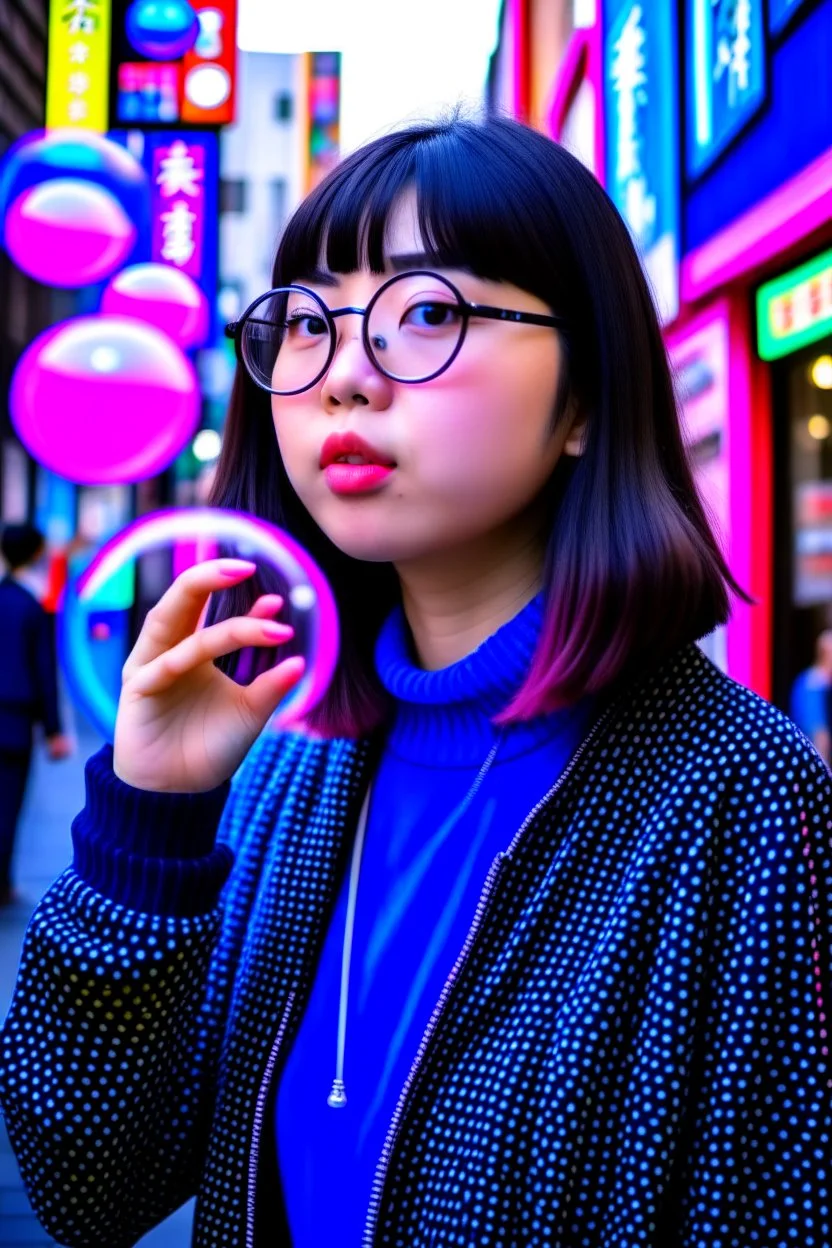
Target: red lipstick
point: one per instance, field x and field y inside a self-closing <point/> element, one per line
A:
<point x="353" y="466"/>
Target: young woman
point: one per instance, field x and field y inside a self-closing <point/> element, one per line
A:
<point x="524" y="939"/>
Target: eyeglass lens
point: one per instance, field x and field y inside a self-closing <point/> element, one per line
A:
<point x="414" y="326"/>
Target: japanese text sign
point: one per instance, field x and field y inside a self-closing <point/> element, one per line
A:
<point x="795" y="309"/>
<point x="641" y="110"/>
<point x="78" y="65"/>
<point x="726" y="74"/>
<point x="183" y="168"/>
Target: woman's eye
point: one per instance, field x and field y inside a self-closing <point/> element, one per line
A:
<point x="432" y="315"/>
<point x="306" y="325"/>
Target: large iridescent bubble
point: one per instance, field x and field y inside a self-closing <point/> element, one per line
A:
<point x="163" y="296"/>
<point x="68" y="233"/>
<point x="71" y="205"/>
<point x="104" y="399"/>
<point x="162" y="30"/>
<point x="104" y="606"/>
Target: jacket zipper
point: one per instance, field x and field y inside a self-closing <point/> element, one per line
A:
<point x="259" y="1109"/>
<point x="482" y="907"/>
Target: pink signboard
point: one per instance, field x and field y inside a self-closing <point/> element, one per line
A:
<point x="178" y="206"/>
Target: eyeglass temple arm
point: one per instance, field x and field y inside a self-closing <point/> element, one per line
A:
<point x="506" y="314"/>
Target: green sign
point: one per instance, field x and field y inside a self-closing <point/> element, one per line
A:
<point x="795" y="309"/>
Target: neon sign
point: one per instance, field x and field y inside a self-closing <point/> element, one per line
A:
<point x="78" y="69"/>
<point x="795" y="309"/>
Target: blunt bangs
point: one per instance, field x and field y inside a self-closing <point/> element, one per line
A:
<point x="476" y="211"/>
<point x="631" y="569"/>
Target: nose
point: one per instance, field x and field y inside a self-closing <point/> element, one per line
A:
<point x="352" y="380"/>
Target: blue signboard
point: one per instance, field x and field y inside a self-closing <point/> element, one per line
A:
<point x="780" y="12"/>
<point x="641" y="111"/>
<point x="726" y="74"/>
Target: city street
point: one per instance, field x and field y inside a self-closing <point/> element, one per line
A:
<point x="55" y="795"/>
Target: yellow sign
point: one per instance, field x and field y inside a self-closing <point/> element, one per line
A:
<point x="78" y="70"/>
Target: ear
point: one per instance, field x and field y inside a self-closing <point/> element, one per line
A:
<point x="575" y="443"/>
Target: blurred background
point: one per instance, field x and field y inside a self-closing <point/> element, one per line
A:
<point x="150" y="154"/>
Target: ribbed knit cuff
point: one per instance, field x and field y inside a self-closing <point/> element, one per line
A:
<point x="153" y="852"/>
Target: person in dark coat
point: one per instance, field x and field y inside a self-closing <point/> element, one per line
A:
<point x="28" y="686"/>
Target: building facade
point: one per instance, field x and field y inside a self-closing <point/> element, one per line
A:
<point x="710" y="125"/>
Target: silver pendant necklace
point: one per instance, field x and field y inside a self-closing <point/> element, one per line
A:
<point x="337" y="1098"/>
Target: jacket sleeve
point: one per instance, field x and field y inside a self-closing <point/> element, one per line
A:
<point x="759" y="1168"/>
<point x="109" y="1049"/>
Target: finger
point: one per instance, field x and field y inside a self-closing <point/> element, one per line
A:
<point x="177" y="613"/>
<point x="266" y="607"/>
<point x="205" y="646"/>
<point x="262" y="697"/>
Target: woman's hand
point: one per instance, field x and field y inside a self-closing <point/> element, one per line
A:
<point x="183" y="726"/>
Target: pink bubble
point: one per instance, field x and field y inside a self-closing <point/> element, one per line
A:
<point x="66" y="232"/>
<point x="162" y="296"/>
<point x="104" y="399"/>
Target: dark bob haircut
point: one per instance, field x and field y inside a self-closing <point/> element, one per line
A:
<point x="632" y="569"/>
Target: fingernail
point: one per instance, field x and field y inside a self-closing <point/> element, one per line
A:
<point x="237" y="567"/>
<point x="282" y="631"/>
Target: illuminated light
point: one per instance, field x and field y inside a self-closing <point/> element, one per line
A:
<point x="821" y="372"/>
<point x="105" y="592"/>
<point x="102" y="400"/>
<point x="207" y="86"/>
<point x="207" y="445"/>
<point x="162" y="30"/>
<point x="163" y="296"/>
<point x="68" y="233"/>
<point x="104" y="359"/>
<point x="819" y="427"/>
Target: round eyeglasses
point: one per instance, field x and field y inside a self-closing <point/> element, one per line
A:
<point x="413" y="329"/>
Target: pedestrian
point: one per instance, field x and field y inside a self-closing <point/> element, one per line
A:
<point x="523" y="937"/>
<point x="28" y="686"/>
<point x="809" y="697"/>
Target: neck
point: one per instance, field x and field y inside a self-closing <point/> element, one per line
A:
<point x="454" y="600"/>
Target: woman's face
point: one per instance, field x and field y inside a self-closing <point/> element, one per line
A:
<point x="472" y="449"/>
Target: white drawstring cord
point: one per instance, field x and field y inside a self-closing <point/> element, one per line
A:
<point x="337" y="1098"/>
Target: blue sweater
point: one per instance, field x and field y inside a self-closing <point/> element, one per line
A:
<point x="421" y="878"/>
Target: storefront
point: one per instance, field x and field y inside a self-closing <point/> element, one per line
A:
<point x="794" y="337"/>
<point x="713" y="135"/>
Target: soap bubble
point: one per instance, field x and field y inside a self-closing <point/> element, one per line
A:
<point x="66" y="232"/>
<point x="162" y="30"/>
<point x="102" y="400"/>
<point x="103" y="608"/>
<point x="163" y="296"/>
<point x="71" y="205"/>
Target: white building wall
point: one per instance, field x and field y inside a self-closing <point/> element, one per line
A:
<point x="262" y="152"/>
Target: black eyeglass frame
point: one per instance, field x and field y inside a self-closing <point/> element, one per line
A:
<point x="234" y="329"/>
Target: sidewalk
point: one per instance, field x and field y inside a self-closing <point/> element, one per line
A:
<point x="44" y="850"/>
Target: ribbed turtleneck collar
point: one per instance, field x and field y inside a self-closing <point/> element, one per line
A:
<point x="443" y="718"/>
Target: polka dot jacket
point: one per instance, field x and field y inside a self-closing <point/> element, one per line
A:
<point x="631" y="1049"/>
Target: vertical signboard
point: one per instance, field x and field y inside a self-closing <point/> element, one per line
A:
<point x="726" y="74"/>
<point x="183" y="168"/>
<point x="208" y="69"/>
<point x="700" y="361"/>
<point x="641" y="108"/>
<point x="78" y="64"/>
<point x="324" y="114"/>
